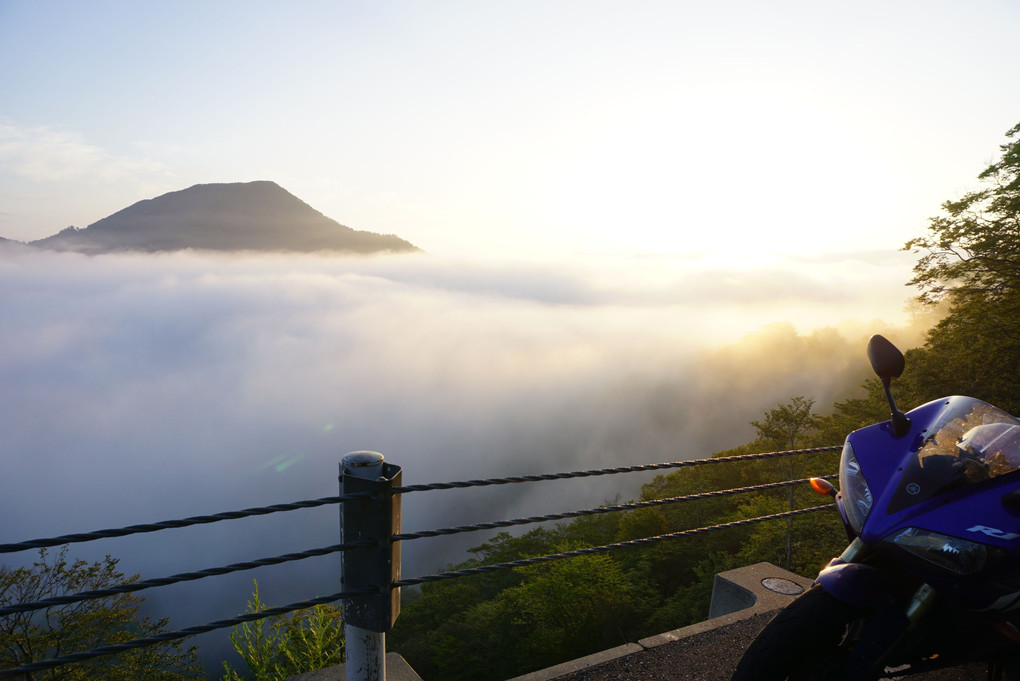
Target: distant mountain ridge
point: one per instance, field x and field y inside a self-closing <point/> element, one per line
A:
<point x="243" y="216"/>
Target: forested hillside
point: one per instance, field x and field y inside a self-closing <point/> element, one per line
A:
<point x="498" y="625"/>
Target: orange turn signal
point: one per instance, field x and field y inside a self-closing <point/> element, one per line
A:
<point x="822" y="486"/>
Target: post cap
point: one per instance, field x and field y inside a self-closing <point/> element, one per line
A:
<point x="362" y="464"/>
<point x="362" y="458"/>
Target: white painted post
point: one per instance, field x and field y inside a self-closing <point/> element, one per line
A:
<point x="366" y="654"/>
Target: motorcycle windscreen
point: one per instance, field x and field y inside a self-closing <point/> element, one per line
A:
<point x="969" y="442"/>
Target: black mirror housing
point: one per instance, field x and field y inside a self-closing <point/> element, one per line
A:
<point x="886" y="359"/>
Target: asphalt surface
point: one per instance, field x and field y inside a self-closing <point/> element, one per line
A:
<point x="712" y="656"/>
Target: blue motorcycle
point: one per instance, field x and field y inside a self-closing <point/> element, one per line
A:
<point x="931" y="577"/>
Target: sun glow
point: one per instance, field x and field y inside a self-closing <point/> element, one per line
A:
<point x="681" y="179"/>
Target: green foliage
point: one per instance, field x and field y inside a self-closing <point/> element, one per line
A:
<point x="277" y="647"/>
<point x="59" y="630"/>
<point x="972" y="251"/>
<point x="569" y="608"/>
<point x="971" y="259"/>
<point x="803" y="546"/>
<point x="787" y="425"/>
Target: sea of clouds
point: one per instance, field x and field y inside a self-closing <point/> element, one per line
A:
<point x="138" y="388"/>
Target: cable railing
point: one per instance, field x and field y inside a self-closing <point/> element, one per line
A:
<point x="370" y="569"/>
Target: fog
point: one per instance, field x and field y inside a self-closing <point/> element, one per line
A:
<point x="138" y="388"/>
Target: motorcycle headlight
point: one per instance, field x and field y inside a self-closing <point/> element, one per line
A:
<point x="956" y="555"/>
<point x="857" y="498"/>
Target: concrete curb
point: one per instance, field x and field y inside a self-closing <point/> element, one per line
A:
<point x="736" y="595"/>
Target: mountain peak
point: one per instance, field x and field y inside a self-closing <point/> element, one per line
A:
<point x="240" y="216"/>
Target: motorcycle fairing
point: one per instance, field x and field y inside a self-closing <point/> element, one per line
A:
<point x="959" y="503"/>
<point x="856" y="584"/>
<point x="878" y="450"/>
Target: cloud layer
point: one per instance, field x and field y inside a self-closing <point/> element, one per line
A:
<point x="142" y="388"/>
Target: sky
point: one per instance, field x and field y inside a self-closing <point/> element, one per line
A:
<point x="644" y="223"/>
<point x="529" y="128"/>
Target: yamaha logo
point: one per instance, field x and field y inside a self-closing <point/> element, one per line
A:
<point x="913" y="488"/>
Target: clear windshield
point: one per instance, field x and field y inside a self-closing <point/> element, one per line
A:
<point x="970" y="441"/>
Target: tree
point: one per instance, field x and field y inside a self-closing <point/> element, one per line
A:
<point x="285" y="645"/>
<point x="59" y="630"/>
<point x="973" y="250"/>
<point x="787" y="426"/>
<point x="971" y="259"/>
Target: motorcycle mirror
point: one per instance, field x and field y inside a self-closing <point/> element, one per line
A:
<point x="888" y="363"/>
<point x="886" y="359"/>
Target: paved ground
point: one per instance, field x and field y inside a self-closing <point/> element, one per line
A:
<point x="711" y="656"/>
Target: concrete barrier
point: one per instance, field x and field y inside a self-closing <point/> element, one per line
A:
<point x="761" y="587"/>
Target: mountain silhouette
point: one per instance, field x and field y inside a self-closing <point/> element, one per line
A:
<point x="244" y="216"/>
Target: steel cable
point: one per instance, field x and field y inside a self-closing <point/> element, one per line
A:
<point x="595" y="511"/>
<point x="171" y="524"/>
<point x="438" y="577"/>
<point x="312" y="503"/>
<point x="131" y="587"/>
<point x="177" y="635"/>
<point x="608" y="471"/>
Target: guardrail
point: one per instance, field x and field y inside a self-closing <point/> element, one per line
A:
<point x="370" y="547"/>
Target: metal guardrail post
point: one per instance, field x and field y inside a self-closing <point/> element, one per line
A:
<point x="374" y="517"/>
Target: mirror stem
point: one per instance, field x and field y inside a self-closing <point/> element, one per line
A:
<point x="900" y="421"/>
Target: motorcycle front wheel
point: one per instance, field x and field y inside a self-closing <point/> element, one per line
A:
<point x="807" y="641"/>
